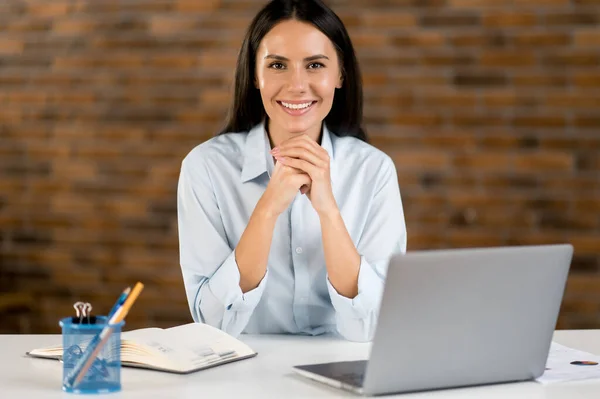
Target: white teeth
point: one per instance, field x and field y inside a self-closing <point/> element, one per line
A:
<point x="296" y="106"/>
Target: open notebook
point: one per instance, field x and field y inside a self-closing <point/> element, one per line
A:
<point x="182" y="349"/>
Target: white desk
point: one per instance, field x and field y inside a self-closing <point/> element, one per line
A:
<point x="268" y="375"/>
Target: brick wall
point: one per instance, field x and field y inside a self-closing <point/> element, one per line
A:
<point x="489" y="109"/>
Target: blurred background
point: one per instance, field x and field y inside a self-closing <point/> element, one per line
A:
<point x="490" y="110"/>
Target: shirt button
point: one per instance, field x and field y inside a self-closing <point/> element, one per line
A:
<point x="299" y="250"/>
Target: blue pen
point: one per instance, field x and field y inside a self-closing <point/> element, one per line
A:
<point x="120" y="302"/>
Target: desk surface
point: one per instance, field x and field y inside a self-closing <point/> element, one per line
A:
<point x="265" y="376"/>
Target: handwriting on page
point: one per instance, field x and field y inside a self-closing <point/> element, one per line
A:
<point x="160" y="347"/>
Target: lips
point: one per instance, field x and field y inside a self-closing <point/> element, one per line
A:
<point x="296" y="108"/>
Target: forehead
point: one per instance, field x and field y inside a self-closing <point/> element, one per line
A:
<point x="295" y="39"/>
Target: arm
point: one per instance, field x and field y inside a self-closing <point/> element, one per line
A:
<point x="223" y="285"/>
<point x="356" y="275"/>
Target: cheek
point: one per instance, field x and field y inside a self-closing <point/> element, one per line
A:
<point x="325" y="87"/>
<point x="268" y="87"/>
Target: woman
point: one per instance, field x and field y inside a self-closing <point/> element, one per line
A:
<point x="288" y="217"/>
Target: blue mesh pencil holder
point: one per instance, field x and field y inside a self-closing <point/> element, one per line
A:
<point x="104" y="375"/>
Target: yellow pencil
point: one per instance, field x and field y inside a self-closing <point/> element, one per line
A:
<point x="119" y="315"/>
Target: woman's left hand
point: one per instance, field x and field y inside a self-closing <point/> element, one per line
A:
<point x="306" y="155"/>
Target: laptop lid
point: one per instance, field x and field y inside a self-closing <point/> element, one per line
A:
<point x="463" y="317"/>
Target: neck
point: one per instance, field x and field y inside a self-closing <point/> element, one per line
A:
<point x="278" y="135"/>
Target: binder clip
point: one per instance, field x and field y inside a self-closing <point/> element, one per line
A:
<point x="83" y="311"/>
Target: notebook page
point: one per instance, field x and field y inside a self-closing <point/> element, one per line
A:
<point x="155" y="348"/>
<point x="206" y="344"/>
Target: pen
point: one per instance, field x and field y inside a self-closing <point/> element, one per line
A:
<point x="86" y="361"/>
<point x="119" y="302"/>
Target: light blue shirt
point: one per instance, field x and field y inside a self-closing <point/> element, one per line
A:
<point x="221" y="181"/>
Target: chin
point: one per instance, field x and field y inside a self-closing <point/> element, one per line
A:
<point x="299" y="127"/>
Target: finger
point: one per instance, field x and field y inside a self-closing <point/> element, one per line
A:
<point x="301" y="153"/>
<point x="303" y="142"/>
<point x="291" y="170"/>
<point x="313" y="171"/>
<point x="304" y="189"/>
<point x="302" y="182"/>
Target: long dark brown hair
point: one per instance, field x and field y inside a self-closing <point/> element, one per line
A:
<point x="247" y="110"/>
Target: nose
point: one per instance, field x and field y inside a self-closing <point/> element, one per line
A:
<point x="297" y="81"/>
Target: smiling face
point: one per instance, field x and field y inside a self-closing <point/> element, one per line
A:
<point x="297" y="72"/>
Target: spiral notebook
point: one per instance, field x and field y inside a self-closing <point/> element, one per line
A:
<point x="182" y="349"/>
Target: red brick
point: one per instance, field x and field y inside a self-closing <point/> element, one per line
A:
<point x="473" y="238"/>
<point x="27" y="97"/>
<point x="492" y="3"/>
<point x="507" y="58"/>
<point x="576" y="100"/>
<point x="388" y="19"/>
<point x="368" y="39"/>
<point x="477" y="39"/>
<point x="496" y="161"/>
<point x="417" y="78"/>
<point x="540" y="79"/>
<point x="542" y="121"/>
<point x="449" y="19"/>
<point x="573" y="58"/>
<point x="587" y="121"/>
<point x="198" y="6"/>
<point x="447" y="98"/>
<point x="424" y="160"/>
<point x="74" y="26"/>
<point x="447" y="59"/>
<point x="470" y="120"/>
<point x="587" y="37"/>
<point x="585" y="243"/>
<point x="54" y="9"/>
<point x="10" y="46"/>
<point x="447" y="140"/>
<point x="416" y="119"/>
<point x="540" y="39"/>
<point x="571" y="18"/>
<point x="504" y="19"/>
<point x="587" y="79"/>
<point x="419" y="39"/>
<point x="508" y="98"/>
<point x="502" y="141"/>
<point x="372" y="78"/>
<point x="544" y="162"/>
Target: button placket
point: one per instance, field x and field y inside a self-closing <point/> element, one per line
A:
<point x="300" y="268"/>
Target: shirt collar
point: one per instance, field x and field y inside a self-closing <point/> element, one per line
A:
<point x="255" y="153"/>
<point x="257" y="156"/>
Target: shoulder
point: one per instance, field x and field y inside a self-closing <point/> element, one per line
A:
<point x="216" y="150"/>
<point x="352" y="151"/>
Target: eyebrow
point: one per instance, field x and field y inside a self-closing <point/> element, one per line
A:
<point x="311" y="58"/>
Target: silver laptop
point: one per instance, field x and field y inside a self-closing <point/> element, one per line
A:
<point x="459" y="317"/>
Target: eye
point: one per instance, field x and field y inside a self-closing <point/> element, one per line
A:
<point x="315" y="65"/>
<point x="276" y="65"/>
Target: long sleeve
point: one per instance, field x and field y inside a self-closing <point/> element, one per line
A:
<point x="210" y="272"/>
<point x="384" y="235"/>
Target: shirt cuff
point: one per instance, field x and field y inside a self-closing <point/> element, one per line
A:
<point x="225" y="286"/>
<point x="370" y="288"/>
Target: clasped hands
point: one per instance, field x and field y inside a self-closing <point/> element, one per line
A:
<point x="301" y="165"/>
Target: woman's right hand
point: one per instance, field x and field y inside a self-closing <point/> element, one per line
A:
<point x="282" y="189"/>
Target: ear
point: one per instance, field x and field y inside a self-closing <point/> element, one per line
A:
<point x="340" y="81"/>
